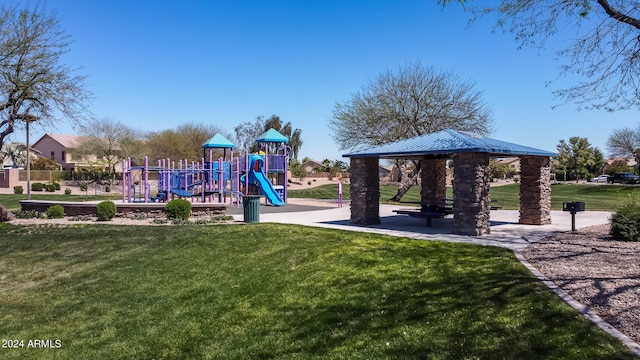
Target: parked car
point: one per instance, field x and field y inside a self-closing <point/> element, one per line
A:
<point x="600" y="179"/>
<point x="624" y="178"/>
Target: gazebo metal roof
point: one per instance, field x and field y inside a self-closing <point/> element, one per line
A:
<point x="446" y="143"/>
<point x="218" y="142"/>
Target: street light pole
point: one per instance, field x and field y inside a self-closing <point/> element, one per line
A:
<point x="28" y="165"/>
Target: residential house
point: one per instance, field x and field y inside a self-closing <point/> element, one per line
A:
<point x="631" y="162"/>
<point x="60" y="148"/>
<point x="513" y="163"/>
<point x="312" y="166"/>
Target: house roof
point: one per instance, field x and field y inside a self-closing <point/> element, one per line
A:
<point x="446" y="143"/>
<point x="67" y="141"/>
<point x="218" y="141"/>
<point x="272" y="135"/>
<point x="312" y="162"/>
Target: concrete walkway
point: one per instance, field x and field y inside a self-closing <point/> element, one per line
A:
<point x="505" y="230"/>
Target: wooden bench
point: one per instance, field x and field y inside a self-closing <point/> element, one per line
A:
<point x="422" y="214"/>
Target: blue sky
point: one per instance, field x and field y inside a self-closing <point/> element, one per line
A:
<point x="157" y="64"/>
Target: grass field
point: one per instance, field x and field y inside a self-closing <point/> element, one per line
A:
<point x="12" y="201"/>
<point x="596" y="197"/>
<point x="268" y="291"/>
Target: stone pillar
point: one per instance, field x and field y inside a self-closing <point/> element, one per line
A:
<point x="471" y="194"/>
<point x="365" y="191"/>
<point x="535" y="190"/>
<point x="433" y="177"/>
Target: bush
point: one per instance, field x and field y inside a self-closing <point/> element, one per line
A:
<point x="36" y="186"/>
<point x="84" y="186"/>
<point x="178" y="209"/>
<point x="67" y="191"/>
<point x="55" y="212"/>
<point x="50" y="187"/>
<point x="308" y="182"/>
<point x="18" y="189"/>
<point x="106" y="210"/>
<point x="625" y="222"/>
<point x="107" y="188"/>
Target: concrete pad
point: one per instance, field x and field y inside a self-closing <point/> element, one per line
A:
<point x="505" y="230"/>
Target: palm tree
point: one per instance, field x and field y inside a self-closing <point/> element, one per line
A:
<point x="16" y="153"/>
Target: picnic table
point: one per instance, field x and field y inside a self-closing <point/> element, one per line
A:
<point x="428" y="210"/>
<point x="431" y="209"/>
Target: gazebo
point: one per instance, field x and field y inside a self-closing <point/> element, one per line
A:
<point x="470" y="154"/>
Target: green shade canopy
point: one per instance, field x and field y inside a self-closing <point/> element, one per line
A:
<point x="272" y="136"/>
<point x="218" y="142"/>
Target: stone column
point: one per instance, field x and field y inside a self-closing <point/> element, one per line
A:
<point x="365" y="191"/>
<point x="535" y="190"/>
<point x="471" y="194"/>
<point x="433" y="177"/>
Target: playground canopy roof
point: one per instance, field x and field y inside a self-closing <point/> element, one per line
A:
<point x="218" y="142"/>
<point x="273" y="136"/>
<point x="446" y="143"/>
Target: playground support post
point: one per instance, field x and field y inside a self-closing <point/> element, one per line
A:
<point x="147" y="189"/>
<point x="124" y="180"/>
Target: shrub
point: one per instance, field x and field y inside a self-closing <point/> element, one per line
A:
<point x="55" y="212"/>
<point x="83" y="186"/>
<point x="18" y="189"/>
<point x="308" y="182"/>
<point x="50" y="187"/>
<point x="28" y="214"/>
<point x="106" y="210"/>
<point x="107" y="188"/>
<point x="56" y="185"/>
<point x="625" y="222"/>
<point x="178" y="209"/>
<point x="67" y="191"/>
<point x="36" y="186"/>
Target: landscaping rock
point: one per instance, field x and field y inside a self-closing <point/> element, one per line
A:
<point x="5" y="215"/>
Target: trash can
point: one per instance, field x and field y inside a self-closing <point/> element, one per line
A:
<point x="251" y="205"/>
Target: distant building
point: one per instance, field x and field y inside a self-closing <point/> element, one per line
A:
<point x="312" y="166"/>
<point x="630" y="162"/>
<point x="512" y="163"/>
<point x="60" y="148"/>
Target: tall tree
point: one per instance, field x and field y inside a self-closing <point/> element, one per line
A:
<point x="34" y="83"/>
<point x="412" y="101"/>
<point x="247" y="133"/>
<point x="183" y="142"/>
<point x="110" y="141"/>
<point x="625" y="142"/>
<point x="603" y="53"/>
<point x="576" y="156"/>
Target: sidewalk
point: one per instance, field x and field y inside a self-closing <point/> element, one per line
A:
<point x="505" y="230"/>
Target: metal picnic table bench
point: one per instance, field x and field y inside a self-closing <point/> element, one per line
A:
<point x="428" y="210"/>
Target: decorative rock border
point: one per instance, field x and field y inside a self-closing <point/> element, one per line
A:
<point x="89" y="208"/>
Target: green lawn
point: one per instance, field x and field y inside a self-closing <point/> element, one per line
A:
<point x="596" y="197"/>
<point x="278" y="292"/>
<point x="12" y="201"/>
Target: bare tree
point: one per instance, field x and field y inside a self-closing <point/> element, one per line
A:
<point x="604" y="51"/>
<point x="34" y="84"/>
<point x="625" y="142"/>
<point x="410" y="102"/>
<point x="110" y="141"/>
<point x="183" y="142"/>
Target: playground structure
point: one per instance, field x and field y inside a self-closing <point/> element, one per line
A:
<point x="228" y="178"/>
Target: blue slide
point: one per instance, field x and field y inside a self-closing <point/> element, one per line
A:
<point x="257" y="172"/>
